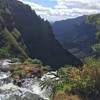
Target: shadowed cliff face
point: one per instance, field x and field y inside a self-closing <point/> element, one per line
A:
<point x="38" y="36"/>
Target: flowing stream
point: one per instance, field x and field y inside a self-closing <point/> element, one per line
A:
<point x="30" y="89"/>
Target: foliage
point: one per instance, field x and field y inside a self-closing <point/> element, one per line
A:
<point x="96" y="47"/>
<point x="78" y="81"/>
<point x="4" y="52"/>
<point x="25" y="70"/>
<point x="95" y="20"/>
<point x="98" y="35"/>
<point x="16" y="60"/>
<point x="33" y="61"/>
<point x="12" y="42"/>
<point x="46" y="68"/>
<point x="9" y="35"/>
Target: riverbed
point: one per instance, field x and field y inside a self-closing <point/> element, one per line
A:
<point x="30" y="89"/>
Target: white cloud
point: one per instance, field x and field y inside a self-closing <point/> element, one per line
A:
<point x="66" y="9"/>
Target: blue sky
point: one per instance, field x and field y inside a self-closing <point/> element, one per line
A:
<point x="46" y="3"/>
<point x="54" y="10"/>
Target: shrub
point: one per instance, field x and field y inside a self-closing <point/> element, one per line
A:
<point x="16" y="60"/>
<point x="83" y="81"/>
<point x="98" y="35"/>
<point x="33" y="61"/>
<point x="4" y="52"/>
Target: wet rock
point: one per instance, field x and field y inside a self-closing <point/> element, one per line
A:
<point x="17" y="82"/>
<point x="4" y="78"/>
<point x="25" y="88"/>
<point x="29" y="96"/>
<point x="5" y="65"/>
<point x="26" y="96"/>
<point x="13" y="97"/>
<point x="12" y="92"/>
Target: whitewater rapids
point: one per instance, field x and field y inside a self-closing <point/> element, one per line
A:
<point x="30" y="89"/>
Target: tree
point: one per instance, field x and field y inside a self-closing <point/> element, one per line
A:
<point x="96" y="47"/>
<point x="98" y="35"/>
<point x="95" y="20"/>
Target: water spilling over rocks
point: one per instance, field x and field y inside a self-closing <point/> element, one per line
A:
<point x="30" y="89"/>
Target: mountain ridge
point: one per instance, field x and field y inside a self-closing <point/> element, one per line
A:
<point x="76" y="35"/>
<point x="37" y="35"/>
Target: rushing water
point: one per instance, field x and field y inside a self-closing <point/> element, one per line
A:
<point x="30" y="89"/>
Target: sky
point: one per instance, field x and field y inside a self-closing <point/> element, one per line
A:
<point x="54" y="10"/>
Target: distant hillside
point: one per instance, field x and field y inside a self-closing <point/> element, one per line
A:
<point x="76" y="34"/>
<point x="36" y="33"/>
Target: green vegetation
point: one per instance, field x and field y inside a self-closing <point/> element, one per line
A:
<point x="25" y="70"/>
<point x="10" y="37"/>
<point x="4" y="52"/>
<point x="76" y="81"/>
<point x="33" y="61"/>
<point x="10" y="41"/>
<point x="84" y="81"/>
<point x="95" y="20"/>
<point x="98" y="35"/>
<point x="16" y="60"/>
<point x="69" y="82"/>
<point x="29" y="67"/>
<point x="96" y="47"/>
